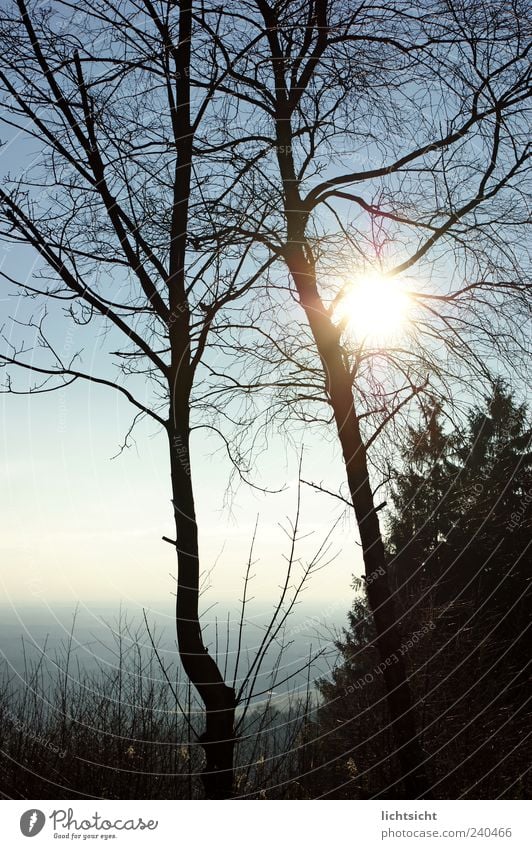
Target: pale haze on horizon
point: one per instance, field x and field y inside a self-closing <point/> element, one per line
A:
<point x="79" y="526"/>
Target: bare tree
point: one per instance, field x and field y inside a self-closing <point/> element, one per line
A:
<point x="390" y="138"/>
<point x="100" y="94"/>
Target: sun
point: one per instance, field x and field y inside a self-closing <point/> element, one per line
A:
<point x="373" y="309"/>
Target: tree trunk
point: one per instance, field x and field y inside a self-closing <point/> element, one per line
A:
<point x="340" y="394"/>
<point x="200" y="667"/>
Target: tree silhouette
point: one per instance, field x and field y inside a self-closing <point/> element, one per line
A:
<point x="460" y="507"/>
<point x="390" y="140"/>
<point x="109" y="207"/>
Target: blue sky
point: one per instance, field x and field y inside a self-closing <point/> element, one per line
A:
<point x="78" y="526"/>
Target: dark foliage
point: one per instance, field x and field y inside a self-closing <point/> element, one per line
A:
<point x="458" y="542"/>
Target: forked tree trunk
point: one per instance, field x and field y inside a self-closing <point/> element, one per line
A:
<point x="380" y="598"/>
<point x="200" y="667"/>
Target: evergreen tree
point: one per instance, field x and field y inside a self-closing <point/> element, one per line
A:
<point x="424" y="507"/>
<point x="458" y="539"/>
<point x="461" y="505"/>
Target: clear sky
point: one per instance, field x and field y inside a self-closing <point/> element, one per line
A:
<point x="78" y="526"/>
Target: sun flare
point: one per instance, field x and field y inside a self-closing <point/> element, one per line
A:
<point x="374" y="308"/>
